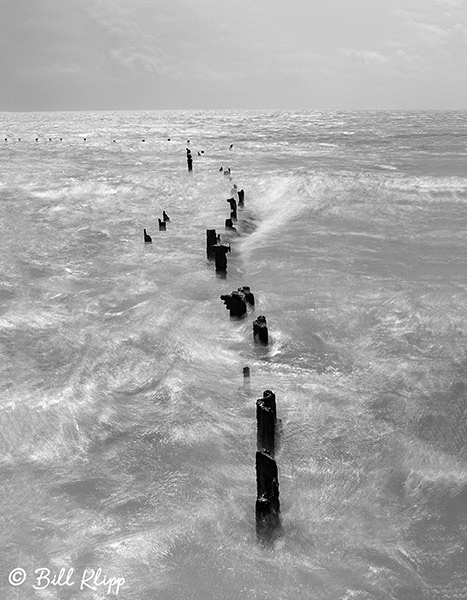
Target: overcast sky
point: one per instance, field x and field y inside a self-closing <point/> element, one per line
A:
<point x="305" y="54"/>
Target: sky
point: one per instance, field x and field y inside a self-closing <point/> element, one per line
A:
<point x="253" y="54"/>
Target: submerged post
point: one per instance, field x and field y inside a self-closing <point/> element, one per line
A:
<point x="211" y="240"/>
<point x="260" y="330"/>
<point x="267" y="479"/>
<point x="220" y="256"/>
<point x="249" y="297"/>
<point x="266" y="422"/>
<point x="267" y="506"/>
<point x="235" y="303"/>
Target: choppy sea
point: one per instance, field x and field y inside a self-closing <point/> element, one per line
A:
<point x="127" y="432"/>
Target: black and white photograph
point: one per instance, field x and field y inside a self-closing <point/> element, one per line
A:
<point x="233" y="300"/>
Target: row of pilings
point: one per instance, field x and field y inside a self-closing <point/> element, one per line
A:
<point x="238" y="302"/>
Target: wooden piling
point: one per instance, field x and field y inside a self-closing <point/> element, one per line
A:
<point x="249" y="297"/>
<point x="189" y="159"/>
<point x="235" y="303"/>
<point x="260" y="330"/>
<point x="162" y="225"/>
<point x="267" y="506"/>
<point x="211" y="240"/>
<point x="267" y="480"/>
<point x="266" y="423"/>
<point x="220" y="256"/>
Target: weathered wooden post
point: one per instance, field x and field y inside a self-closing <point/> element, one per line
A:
<point x="189" y="160"/>
<point x="266" y="421"/>
<point x="241" y="197"/>
<point x="235" y="303"/>
<point x="267" y="479"/>
<point x="211" y="240"/>
<point x="165" y="216"/>
<point x="267" y="497"/>
<point x="229" y="224"/>
<point x="220" y="256"/>
<point x="162" y="225"/>
<point x="246" y="372"/>
<point x="147" y="238"/>
<point x="260" y="330"/>
<point x="249" y="297"/>
<point x="233" y="206"/>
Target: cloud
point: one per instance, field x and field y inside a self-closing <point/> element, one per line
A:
<point x="366" y="58"/>
<point x="159" y="53"/>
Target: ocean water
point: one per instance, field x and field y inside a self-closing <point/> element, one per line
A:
<point x="127" y="433"/>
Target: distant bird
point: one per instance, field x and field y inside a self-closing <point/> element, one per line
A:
<point x="143" y="140"/>
<point x="188" y="141"/>
<point x="165" y="216"/>
<point x="84" y="139"/>
<point x="147" y="238"/>
<point x="168" y="139"/>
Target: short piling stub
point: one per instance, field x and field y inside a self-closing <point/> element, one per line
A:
<point x="147" y="238"/>
<point x="211" y="240"/>
<point x="235" y="303"/>
<point x="267" y="507"/>
<point x="162" y="225"/>
<point x="220" y="256"/>
<point x="249" y="297"/>
<point x="246" y="372"/>
<point x="165" y="216"/>
<point x="266" y="423"/>
<point x="260" y="330"/>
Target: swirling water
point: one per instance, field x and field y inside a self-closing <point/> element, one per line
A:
<point x="127" y="434"/>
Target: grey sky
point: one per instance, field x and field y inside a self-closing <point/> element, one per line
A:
<point x="306" y="54"/>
